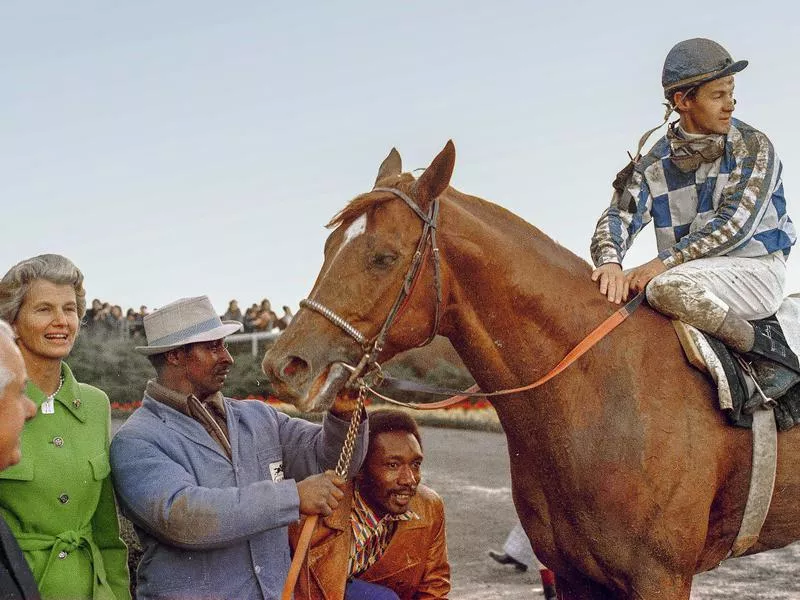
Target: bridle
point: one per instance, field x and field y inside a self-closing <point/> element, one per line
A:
<point x="373" y="347"/>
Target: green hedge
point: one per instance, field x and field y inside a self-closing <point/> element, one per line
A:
<point x="115" y="367"/>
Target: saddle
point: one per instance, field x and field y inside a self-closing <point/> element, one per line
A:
<point x="764" y="399"/>
<point x="744" y="383"/>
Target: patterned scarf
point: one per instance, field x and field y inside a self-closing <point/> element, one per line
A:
<point x="210" y="413"/>
<point x="371" y="535"/>
<point x="689" y="151"/>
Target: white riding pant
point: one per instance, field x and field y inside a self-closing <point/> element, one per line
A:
<point x="518" y="547"/>
<point x="700" y="292"/>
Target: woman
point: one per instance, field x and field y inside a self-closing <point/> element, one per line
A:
<point x="58" y="500"/>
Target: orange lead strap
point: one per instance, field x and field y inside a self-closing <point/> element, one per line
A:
<point x="342" y="467"/>
<point x="299" y="553"/>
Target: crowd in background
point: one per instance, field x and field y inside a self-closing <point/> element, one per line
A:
<point x="259" y="317"/>
<point x="107" y="320"/>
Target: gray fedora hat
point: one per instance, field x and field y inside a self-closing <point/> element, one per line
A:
<point x="694" y="62"/>
<point x="185" y="321"/>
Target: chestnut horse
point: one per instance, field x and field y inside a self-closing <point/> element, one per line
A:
<point x="626" y="477"/>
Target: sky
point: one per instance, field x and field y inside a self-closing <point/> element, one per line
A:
<point x="195" y="147"/>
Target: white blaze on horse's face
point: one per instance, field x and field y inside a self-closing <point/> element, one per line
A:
<point x="356" y="228"/>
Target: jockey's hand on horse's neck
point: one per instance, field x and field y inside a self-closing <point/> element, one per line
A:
<point x="612" y="281"/>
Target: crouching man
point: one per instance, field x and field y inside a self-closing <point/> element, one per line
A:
<point x="386" y="539"/>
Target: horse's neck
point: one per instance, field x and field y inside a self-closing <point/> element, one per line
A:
<point x="518" y="301"/>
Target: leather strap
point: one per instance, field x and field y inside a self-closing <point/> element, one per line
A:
<point x="579" y="350"/>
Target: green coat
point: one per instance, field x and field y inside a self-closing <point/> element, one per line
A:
<point x="59" y="501"/>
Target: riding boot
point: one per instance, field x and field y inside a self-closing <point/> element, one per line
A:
<point x="736" y="333"/>
<point x="769" y="342"/>
<point x="774" y="378"/>
<point x="775" y="365"/>
<point x="787" y="411"/>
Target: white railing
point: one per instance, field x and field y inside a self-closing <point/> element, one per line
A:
<point x="253" y="338"/>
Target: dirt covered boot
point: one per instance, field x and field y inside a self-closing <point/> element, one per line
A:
<point x="770" y="342"/>
<point x="775" y="365"/>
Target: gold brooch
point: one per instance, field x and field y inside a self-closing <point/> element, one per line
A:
<point x="76" y="403"/>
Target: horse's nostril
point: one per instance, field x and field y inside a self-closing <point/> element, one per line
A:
<point x="294" y="367"/>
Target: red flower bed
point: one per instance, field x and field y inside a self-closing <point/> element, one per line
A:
<point x="468" y="404"/>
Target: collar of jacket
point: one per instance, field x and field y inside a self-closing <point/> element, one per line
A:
<point x="340" y="518"/>
<point x="192" y="429"/>
<point x="178" y="400"/>
<point x="68" y="396"/>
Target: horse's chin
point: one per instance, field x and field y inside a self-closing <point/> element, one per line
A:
<point x="323" y="390"/>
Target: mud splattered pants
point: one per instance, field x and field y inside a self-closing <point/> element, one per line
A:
<point x="700" y="292"/>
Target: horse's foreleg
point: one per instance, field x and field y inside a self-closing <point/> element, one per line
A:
<point x="580" y="588"/>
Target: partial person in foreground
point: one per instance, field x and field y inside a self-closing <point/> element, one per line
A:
<point x="16" y="579"/>
<point x="211" y="483"/>
<point x="386" y="540"/>
<point x="517" y="552"/>
<point x="59" y="500"/>
<point x="712" y="187"/>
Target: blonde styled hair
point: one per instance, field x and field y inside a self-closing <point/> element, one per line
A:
<point x="50" y="267"/>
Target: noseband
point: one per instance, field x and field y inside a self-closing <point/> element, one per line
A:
<point x="373" y="347"/>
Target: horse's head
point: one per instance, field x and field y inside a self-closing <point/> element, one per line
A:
<point x="379" y="289"/>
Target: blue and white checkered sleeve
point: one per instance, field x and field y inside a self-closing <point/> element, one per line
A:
<point x="622" y="221"/>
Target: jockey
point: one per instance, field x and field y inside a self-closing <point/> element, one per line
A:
<point x="712" y="185"/>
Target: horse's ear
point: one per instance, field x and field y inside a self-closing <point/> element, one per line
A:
<point x="391" y="166"/>
<point x="436" y="177"/>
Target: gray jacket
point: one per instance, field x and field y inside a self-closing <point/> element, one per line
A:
<point x="211" y="527"/>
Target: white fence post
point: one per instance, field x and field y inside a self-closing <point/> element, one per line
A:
<point x="254" y="338"/>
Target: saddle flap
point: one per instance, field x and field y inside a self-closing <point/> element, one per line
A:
<point x="703" y="356"/>
<point x="686" y="335"/>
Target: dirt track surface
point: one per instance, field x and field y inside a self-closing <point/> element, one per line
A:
<point x="470" y="470"/>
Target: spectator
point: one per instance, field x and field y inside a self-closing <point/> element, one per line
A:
<point x="284" y="321"/>
<point x="58" y="500"/>
<point x="266" y="318"/>
<point x="89" y="317"/>
<point x="386" y="540"/>
<point x="16" y="579"/>
<point x="517" y="551"/>
<point x="250" y="316"/>
<point x="130" y="324"/>
<point x="139" y="321"/>
<point x="118" y="326"/>
<point x="233" y="313"/>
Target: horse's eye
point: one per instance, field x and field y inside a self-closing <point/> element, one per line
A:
<point x="383" y="260"/>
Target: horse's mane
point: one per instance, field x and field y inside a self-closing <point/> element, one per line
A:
<point x="363" y="202"/>
<point x="504" y="219"/>
<point x="488" y="211"/>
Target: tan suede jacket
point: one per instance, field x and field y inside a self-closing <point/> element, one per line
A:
<point x="414" y="565"/>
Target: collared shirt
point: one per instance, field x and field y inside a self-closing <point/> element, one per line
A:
<point x="733" y="206"/>
<point x="371" y="535"/>
<point x="210" y="413"/>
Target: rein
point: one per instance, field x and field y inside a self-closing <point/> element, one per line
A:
<point x="459" y="396"/>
